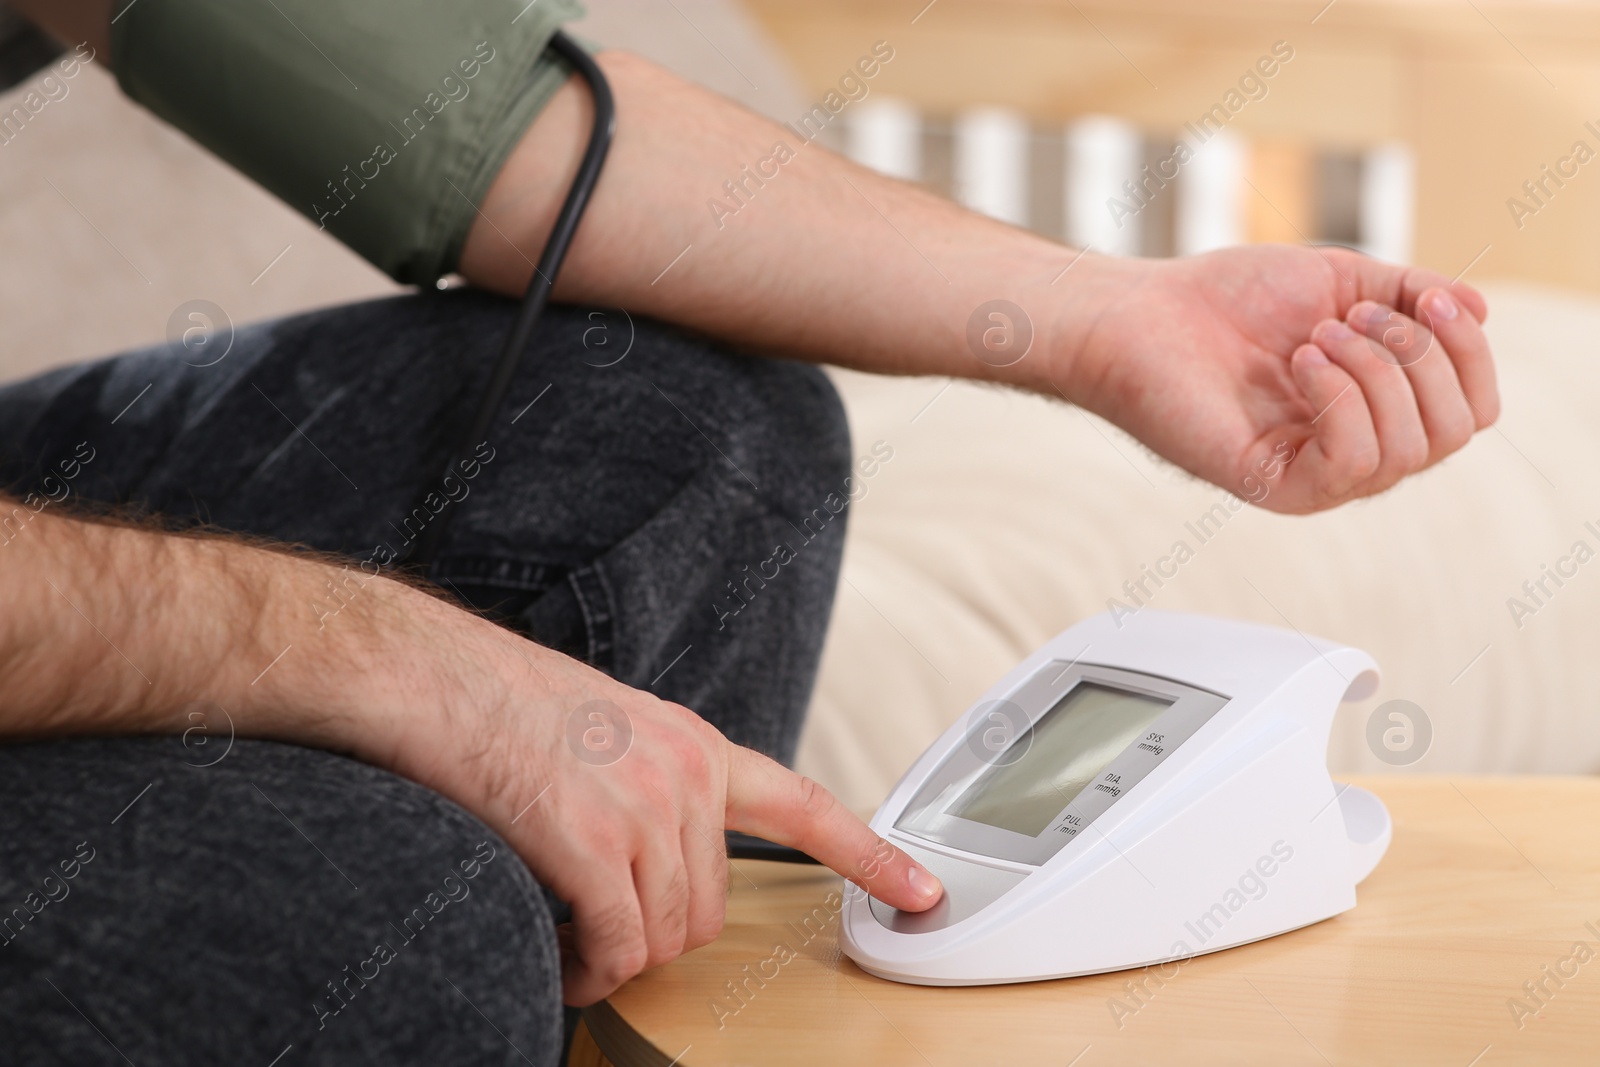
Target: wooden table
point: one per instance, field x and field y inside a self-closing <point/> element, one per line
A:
<point x="1490" y="883"/>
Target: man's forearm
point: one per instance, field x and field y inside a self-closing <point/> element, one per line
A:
<point x="825" y="260"/>
<point x="114" y="629"/>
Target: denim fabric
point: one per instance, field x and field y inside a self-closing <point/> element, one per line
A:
<point x="621" y="510"/>
<point x="233" y="913"/>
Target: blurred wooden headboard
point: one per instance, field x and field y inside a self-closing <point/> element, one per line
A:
<point x="1482" y="95"/>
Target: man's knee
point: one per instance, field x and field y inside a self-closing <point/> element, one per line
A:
<point x="587" y="452"/>
<point x="777" y="427"/>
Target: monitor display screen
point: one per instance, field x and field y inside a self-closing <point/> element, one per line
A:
<point x="1067" y="749"/>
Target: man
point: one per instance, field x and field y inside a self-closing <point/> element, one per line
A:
<point x="184" y="666"/>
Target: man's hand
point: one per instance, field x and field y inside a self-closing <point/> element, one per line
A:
<point x="1367" y="371"/>
<point x="616" y="800"/>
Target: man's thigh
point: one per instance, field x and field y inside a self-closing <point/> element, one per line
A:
<point x="665" y="509"/>
<point x="166" y="901"/>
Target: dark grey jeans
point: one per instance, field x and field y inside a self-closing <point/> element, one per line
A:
<point x="174" y="900"/>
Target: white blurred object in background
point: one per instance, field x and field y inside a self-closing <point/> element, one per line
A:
<point x="1210" y="212"/>
<point x="1388" y="202"/>
<point x="1102" y="154"/>
<point x="991" y="163"/>
<point x="886" y="135"/>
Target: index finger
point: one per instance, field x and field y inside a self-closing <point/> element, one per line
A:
<point x="769" y="800"/>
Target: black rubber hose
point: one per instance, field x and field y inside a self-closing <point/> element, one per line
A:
<point x="426" y="547"/>
<point x="746" y="847"/>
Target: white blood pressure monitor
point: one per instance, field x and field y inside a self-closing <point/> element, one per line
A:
<point x="1130" y="794"/>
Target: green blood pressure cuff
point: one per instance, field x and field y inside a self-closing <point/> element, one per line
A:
<point x="383" y="122"/>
